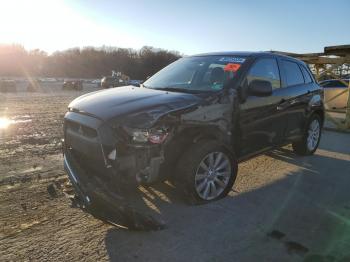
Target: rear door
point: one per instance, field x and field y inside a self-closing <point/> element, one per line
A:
<point x="297" y="92"/>
<point x="261" y="123"/>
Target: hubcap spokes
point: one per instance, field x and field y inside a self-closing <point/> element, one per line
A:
<point x="313" y="135"/>
<point x="213" y="175"/>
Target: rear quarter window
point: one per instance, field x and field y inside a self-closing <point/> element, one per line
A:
<point x="307" y="76"/>
<point x="292" y="72"/>
<point x="333" y="83"/>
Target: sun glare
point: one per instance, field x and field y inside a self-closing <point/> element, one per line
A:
<point x="55" y="25"/>
<point x="35" y="24"/>
<point x="4" y="122"/>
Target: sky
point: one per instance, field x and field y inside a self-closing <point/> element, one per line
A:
<point x="187" y="26"/>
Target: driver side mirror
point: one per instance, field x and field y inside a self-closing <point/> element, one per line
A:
<point x="260" y="88"/>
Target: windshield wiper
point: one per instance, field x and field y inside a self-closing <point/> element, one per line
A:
<point x="181" y="90"/>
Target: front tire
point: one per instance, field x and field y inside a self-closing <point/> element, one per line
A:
<point x="206" y="172"/>
<point x="311" y="138"/>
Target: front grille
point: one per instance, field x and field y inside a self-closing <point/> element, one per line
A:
<point x="89" y="140"/>
<point x="81" y="129"/>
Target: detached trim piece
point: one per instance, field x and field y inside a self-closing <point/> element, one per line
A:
<point x="69" y="169"/>
<point x="73" y="178"/>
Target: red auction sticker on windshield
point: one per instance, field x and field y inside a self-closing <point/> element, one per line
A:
<point x="232" y="67"/>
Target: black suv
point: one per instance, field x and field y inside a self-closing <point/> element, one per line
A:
<point x="192" y="122"/>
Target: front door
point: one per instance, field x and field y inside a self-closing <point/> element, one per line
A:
<point x="262" y="124"/>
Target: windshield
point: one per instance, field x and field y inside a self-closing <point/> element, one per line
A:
<point x="202" y="73"/>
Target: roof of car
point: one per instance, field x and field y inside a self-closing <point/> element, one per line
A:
<point x="230" y="53"/>
<point x="247" y="54"/>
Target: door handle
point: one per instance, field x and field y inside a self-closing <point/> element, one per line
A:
<point x="282" y="104"/>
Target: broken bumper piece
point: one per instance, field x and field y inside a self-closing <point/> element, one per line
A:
<point x="84" y="199"/>
<point x="95" y="197"/>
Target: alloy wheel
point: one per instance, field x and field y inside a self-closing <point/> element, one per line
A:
<point x="313" y="135"/>
<point x="213" y="175"/>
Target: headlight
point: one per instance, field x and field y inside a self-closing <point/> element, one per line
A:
<point x="154" y="136"/>
<point x="158" y="136"/>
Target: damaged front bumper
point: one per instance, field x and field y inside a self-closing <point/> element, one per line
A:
<point x="102" y="201"/>
<point x="90" y="191"/>
<point x="102" y="184"/>
<point x="101" y="149"/>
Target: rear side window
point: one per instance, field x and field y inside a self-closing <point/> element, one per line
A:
<point x="293" y="73"/>
<point x="265" y="69"/>
<point x="333" y="83"/>
<point x="307" y="76"/>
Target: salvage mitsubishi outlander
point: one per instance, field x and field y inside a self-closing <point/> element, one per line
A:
<point x="192" y="123"/>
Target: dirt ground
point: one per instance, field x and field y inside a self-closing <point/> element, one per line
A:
<point x="282" y="208"/>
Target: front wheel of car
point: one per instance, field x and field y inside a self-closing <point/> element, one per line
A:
<point x="206" y="172"/>
<point x="311" y="138"/>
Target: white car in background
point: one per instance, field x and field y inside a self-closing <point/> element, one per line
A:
<point x="48" y="79"/>
<point x="96" y="81"/>
<point x="332" y="88"/>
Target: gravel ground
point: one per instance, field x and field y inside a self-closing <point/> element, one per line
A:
<point x="282" y="207"/>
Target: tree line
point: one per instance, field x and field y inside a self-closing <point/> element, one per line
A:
<point x="87" y="62"/>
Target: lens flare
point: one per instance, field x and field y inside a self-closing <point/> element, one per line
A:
<point x="4" y="122"/>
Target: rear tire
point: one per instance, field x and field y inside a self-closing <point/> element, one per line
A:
<point x="311" y="138"/>
<point x="206" y="172"/>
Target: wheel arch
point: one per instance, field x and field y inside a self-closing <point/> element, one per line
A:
<point x="320" y="113"/>
<point x="183" y="139"/>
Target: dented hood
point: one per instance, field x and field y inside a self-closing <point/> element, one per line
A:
<point x="136" y="107"/>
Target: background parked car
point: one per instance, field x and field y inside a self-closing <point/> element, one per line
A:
<point x="135" y="82"/>
<point x="115" y="80"/>
<point x="96" y="82"/>
<point x="33" y="85"/>
<point x="8" y="86"/>
<point x="110" y="81"/>
<point x="331" y="89"/>
<point x="73" y="85"/>
<point x="49" y="79"/>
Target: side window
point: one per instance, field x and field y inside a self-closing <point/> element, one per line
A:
<point x="339" y="84"/>
<point x="323" y="84"/>
<point x="293" y="73"/>
<point x="265" y="69"/>
<point x="333" y="83"/>
<point x="307" y="76"/>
